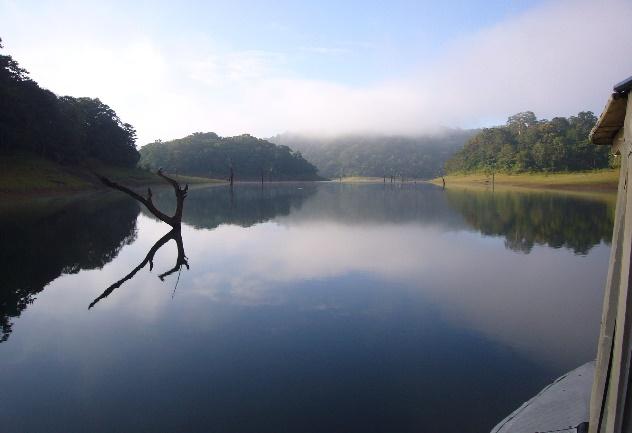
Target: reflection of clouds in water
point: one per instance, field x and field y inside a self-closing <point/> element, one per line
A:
<point x="543" y="304"/>
<point x="145" y="294"/>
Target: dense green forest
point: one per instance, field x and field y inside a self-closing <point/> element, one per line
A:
<point x="209" y="155"/>
<point x="419" y="157"/>
<point x="528" y="144"/>
<point x="61" y="128"/>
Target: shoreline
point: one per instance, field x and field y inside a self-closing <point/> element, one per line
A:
<point x="599" y="181"/>
<point x="62" y="191"/>
<point x="25" y="177"/>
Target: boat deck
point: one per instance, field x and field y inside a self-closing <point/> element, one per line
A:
<point x="560" y="407"/>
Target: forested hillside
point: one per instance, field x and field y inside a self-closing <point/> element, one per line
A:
<point x="63" y="129"/>
<point x="209" y="155"/>
<point x="377" y="156"/>
<point x="528" y="144"/>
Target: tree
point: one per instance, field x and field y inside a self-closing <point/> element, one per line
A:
<point x="247" y="157"/>
<point x="64" y="129"/>
<point x="520" y="122"/>
<point x="528" y="144"/>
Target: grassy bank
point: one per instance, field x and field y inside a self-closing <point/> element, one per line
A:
<point x="32" y="176"/>
<point x="598" y="181"/>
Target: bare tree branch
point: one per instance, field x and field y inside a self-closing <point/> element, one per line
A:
<point x="145" y="201"/>
<point x="175" y="234"/>
<point x="180" y="192"/>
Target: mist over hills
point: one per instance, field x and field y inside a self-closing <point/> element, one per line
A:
<point x="375" y="155"/>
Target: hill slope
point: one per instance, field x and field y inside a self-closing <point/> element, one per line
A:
<point x="526" y="143"/>
<point x="209" y="155"/>
<point x="62" y="129"/>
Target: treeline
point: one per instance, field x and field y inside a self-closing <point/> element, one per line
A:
<point x="528" y="144"/>
<point x="64" y="129"/>
<point x="378" y="155"/>
<point x="209" y="155"/>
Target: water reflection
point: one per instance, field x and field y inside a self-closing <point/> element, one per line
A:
<point x="181" y="260"/>
<point x="211" y="207"/>
<point x="42" y="241"/>
<point x="342" y="307"/>
<point x="372" y="205"/>
<point x="523" y="219"/>
<point x="242" y="205"/>
<point x="528" y="219"/>
<point x="47" y="242"/>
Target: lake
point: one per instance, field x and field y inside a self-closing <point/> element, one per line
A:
<point x="314" y="307"/>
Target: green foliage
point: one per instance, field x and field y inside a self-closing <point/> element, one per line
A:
<point x="528" y="144"/>
<point x="376" y="156"/>
<point x="63" y="129"/>
<point x="209" y="155"/>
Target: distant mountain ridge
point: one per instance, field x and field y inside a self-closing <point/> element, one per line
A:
<point x="209" y="155"/>
<point x="421" y="157"/>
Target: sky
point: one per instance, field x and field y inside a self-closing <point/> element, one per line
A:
<point x="323" y="67"/>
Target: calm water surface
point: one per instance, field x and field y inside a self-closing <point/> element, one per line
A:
<point x="306" y="308"/>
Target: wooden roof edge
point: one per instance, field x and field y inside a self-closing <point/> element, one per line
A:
<point x="624" y="86"/>
<point x="610" y="120"/>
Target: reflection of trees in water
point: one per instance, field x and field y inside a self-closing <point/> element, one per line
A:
<point x="41" y="244"/>
<point x="245" y="205"/>
<point x="379" y="203"/>
<point x="528" y="219"/>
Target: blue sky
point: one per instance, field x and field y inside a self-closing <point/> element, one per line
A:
<point x="351" y="42"/>
<point x="322" y="67"/>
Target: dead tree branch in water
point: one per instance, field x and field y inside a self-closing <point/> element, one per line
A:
<point x="149" y="258"/>
<point x="175" y="233"/>
<point x="181" y="193"/>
